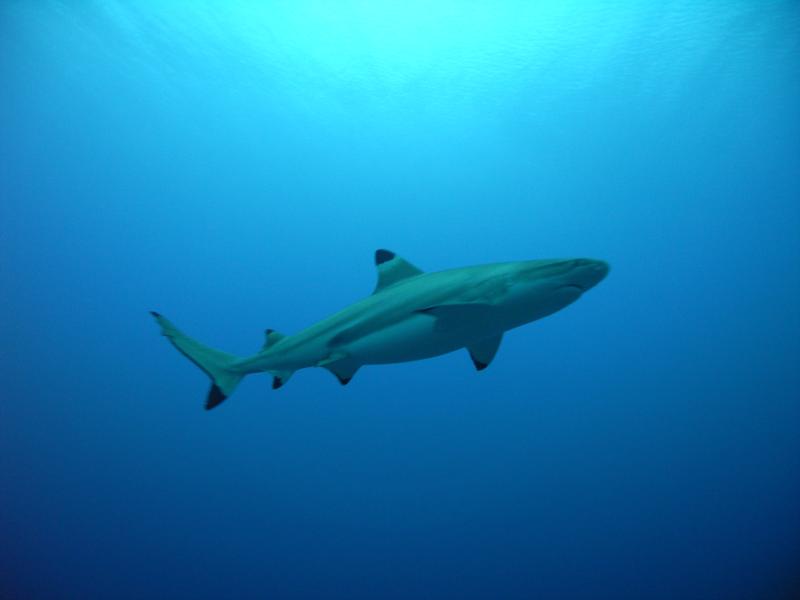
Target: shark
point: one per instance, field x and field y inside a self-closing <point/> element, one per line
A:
<point x="410" y="315"/>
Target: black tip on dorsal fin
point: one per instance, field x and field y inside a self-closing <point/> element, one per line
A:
<point x="268" y="331"/>
<point x="381" y="256"/>
<point x="155" y="314"/>
<point x="215" y="397"/>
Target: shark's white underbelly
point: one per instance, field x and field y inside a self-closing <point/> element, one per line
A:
<point x="414" y="338"/>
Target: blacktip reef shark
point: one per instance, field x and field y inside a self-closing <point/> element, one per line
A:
<point x="411" y="315"/>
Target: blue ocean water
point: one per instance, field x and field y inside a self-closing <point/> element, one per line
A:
<point x="234" y="165"/>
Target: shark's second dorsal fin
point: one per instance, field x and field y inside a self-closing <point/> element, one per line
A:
<point x="271" y="337"/>
<point x="392" y="268"/>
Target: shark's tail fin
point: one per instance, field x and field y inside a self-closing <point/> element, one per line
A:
<point x="216" y="364"/>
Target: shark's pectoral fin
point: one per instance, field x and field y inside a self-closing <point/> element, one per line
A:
<point x="483" y="352"/>
<point x="459" y="316"/>
<point x="341" y="365"/>
<point x="279" y="378"/>
<point x="392" y="268"/>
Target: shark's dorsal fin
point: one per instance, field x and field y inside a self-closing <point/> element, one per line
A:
<point x="483" y="352"/>
<point x="392" y="268"/>
<point x="271" y="337"/>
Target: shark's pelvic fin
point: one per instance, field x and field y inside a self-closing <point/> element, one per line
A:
<point x="483" y="352"/>
<point x="392" y="268"/>
<point x="458" y="316"/>
<point x="343" y="370"/>
<point x="216" y="364"/>
<point x="341" y="365"/>
<point x="271" y="337"/>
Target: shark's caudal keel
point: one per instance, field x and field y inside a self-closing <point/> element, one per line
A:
<point x="411" y="315"/>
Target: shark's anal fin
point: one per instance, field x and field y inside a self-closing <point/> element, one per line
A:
<point x="483" y="352"/>
<point x="341" y="365"/>
<point x="392" y="268"/>
<point x="279" y="378"/>
<point x="458" y="316"/>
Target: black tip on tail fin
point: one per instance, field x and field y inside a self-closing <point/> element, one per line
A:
<point x="215" y="397"/>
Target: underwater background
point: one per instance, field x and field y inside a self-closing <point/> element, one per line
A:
<point x="234" y="165"/>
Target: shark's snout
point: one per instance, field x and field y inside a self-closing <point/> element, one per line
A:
<point x="588" y="272"/>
